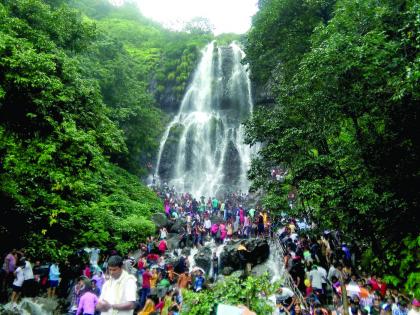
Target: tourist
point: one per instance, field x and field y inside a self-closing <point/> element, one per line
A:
<point x="163" y="246"/>
<point x="184" y="280"/>
<point x="119" y="291"/>
<point x="99" y="279"/>
<point x="149" y="306"/>
<point x="162" y="287"/>
<point x="8" y="268"/>
<point x="54" y="278"/>
<point x="167" y="303"/>
<point x="88" y="300"/>
<point x="199" y="281"/>
<point x="28" y="287"/>
<point x="163" y="233"/>
<point x="145" y="288"/>
<point x="243" y="257"/>
<point x="17" y="282"/>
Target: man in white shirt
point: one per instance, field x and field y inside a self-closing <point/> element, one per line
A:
<point x="316" y="278"/>
<point x="118" y="294"/>
<point x="18" y="282"/>
<point x="284" y="299"/>
<point x="28" y="287"/>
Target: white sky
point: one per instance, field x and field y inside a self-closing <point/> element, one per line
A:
<point x="228" y="16"/>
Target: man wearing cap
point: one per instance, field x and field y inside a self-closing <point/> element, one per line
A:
<point x="118" y="294"/>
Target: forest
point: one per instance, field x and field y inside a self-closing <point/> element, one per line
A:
<point x="87" y="88"/>
<point x="82" y="86"/>
<point x="342" y="114"/>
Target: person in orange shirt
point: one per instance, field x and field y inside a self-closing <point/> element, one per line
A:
<point x="184" y="280"/>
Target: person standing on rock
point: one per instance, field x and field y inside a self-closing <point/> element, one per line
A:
<point x="54" y="278"/>
<point x="163" y="246"/>
<point x="215" y="205"/>
<point x="207" y="225"/>
<point x="163" y="233"/>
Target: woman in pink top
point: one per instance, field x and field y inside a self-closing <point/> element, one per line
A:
<point x="241" y="216"/>
<point x="214" y="229"/>
<point x="223" y="232"/>
<point x="162" y="246"/>
<point x="88" y="301"/>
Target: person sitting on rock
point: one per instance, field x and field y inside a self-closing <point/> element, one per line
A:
<point x="242" y="251"/>
<point x="199" y="281"/>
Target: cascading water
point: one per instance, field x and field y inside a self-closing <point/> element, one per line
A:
<point x="202" y="150"/>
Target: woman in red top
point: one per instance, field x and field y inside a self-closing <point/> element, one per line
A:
<point x="162" y="246"/>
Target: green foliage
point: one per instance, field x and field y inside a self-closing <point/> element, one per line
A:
<point x="199" y="25"/>
<point x="251" y="292"/>
<point x="345" y="121"/>
<point x="281" y="34"/>
<point x="164" y="60"/>
<point x="227" y="38"/>
<point x="58" y="128"/>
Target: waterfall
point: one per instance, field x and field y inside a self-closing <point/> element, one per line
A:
<point x="191" y="260"/>
<point x="202" y="150"/>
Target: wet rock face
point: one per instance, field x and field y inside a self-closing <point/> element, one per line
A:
<point x="178" y="226"/>
<point x="259" y="252"/>
<point x="227" y="271"/>
<point x="203" y="258"/>
<point x="160" y="220"/>
<point x="172" y="240"/>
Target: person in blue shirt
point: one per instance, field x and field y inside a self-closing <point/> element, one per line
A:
<point x="199" y="281"/>
<point x="54" y="278"/>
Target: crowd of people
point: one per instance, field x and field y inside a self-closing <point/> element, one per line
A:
<point x="152" y="279"/>
<point x="323" y="268"/>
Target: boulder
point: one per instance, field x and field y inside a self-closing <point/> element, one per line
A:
<point x="216" y="219"/>
<point x="226" y="271"/>
<point x="259" y="270"/>
<point x="160" y="220"/>
<point x="237" y="274"/>
<point x="259" y="252"/>
<point x="177" y="226"/>
<point x="172" y="240"/>
<point x="203" y="258"/>
<point x="186" y="251"/>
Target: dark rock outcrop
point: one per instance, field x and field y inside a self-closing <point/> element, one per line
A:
<point x="178" y="226"/>
<point x="226" y="271"/>
<point x="173" y="240"/>
<point x="203" y="258"/>
<point x="160" y="220"/>
<point x="259" y="252"/>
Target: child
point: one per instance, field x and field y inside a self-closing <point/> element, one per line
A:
<point x="88" y="301"/>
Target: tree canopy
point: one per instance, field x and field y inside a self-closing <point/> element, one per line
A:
<point x="345" y="77"/>
<point x="80" y="120"/>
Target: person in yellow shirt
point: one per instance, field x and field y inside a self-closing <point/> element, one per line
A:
<point x="149" y="307"/>
<point x="292" y="227"/>
<point x="153" y="279"/>
<point x="265" y="217"/>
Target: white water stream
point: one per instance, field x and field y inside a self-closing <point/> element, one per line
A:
<point x="202" y="150"/>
